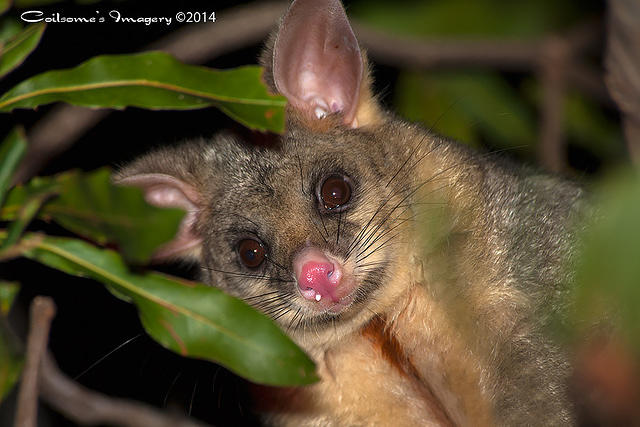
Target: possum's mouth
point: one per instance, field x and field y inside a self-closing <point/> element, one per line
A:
<point x="337" y="307"/>
<point x="332" y="303"/>
<point x="352" y="303"/>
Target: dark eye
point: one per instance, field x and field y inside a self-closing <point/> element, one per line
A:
<point x="335" y="192"/>
<point x="251" y="252"/>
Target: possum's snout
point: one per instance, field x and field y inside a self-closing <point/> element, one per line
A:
<point x="321" y="279"/>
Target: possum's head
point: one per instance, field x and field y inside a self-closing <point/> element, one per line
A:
<point x="307" y="232"/>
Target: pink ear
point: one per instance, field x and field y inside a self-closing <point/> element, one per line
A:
<point x="168" y="192"/>
<point x="316" y="61"/>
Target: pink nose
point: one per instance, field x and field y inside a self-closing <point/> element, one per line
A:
<point x="315" y="280"/>
<point x="318" y="277"/>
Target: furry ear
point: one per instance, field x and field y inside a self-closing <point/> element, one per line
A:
<point x="316" y="61"/>
<point x="167" y="179"/>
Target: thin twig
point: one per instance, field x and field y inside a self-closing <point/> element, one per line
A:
<point x="632" y="135"/>
<point x="551" y="57"/>
<point x="41" y="376"/>
<point x="503" y="55"/>
<point x="553" y="78"/>
<point x="508" y="55"/>
<point x="234" y="28"/>
<point x="623" y="67"/>
<point x="88" y="407"/>
<point x="409" y="52"/>
<point x="42" y="311"/>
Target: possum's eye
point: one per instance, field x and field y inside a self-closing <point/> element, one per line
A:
<point x="251" y="252"/>
<point x="335" y="192"/>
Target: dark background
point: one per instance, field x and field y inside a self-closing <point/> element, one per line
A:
<point x="90" y="322"/>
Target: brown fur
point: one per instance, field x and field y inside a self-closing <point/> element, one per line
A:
<point x="450" y="327"/>
<point x="462" y="338"/>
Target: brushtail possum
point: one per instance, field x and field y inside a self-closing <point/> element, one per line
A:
<point x="418" y="274"/>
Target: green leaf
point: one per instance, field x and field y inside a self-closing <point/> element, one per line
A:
<point x="470" y="107"/>
<point x="607" y="282"/>
<point x="11" y="151"/>
<point x="156" y="81"/>
<point x="8" y="292"/>
<point x="11" y="360"/>
<point x="191" y="319"/>
<point x="25" y="215"/>
<point x="90" y="205"/>
<point x="20" y="194"/>
<point x="16" y="49"/>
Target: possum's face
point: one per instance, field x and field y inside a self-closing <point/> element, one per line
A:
<point x="307" y="232"/>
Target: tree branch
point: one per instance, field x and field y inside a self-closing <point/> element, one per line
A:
<point x="42" y="312"/>
<point x="234" y="28"/>
<point x="42" y="377"/>
<point x="552" y="58"/>
<point x="553" y="77"/>
<point x="87" y="407"/>
<point x="623" y="67"/>
<point x="414" y="53"/>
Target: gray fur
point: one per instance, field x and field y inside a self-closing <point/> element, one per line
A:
<point x="496" y="258"/>
<point x="270" y="193"/>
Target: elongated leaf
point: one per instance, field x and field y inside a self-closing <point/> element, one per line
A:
<point x="8" y="292"/>
<point x="157" y="81"/>
<point x="90" y="205"/>
<point x="11" y="152"/>
<point x="16" y="49"/>
<point x="19" y="195"/>
<point x="10" y="358"/>
<point x="26" y="214"/>
<point x="10" y="362"/>
<point x="188" y="318"/>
